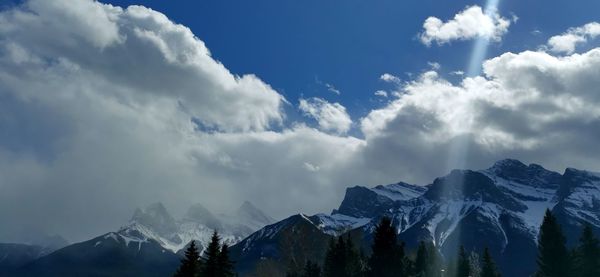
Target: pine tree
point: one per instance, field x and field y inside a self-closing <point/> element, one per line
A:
<point x="342" y="259"/>
<point x="553" y="258"/>
<point x="488" y="267"/>
<point x="311" y="270"/>
<point x="211" y="257"/>
<point x="387" y="256"/>
<point x="587" y="256"/>
<point x="422" y="260"/>
<point x="224" y="264"/>
<point x="354" y="265"/>
<point x="463" y="267"/>
<point x="475" y="263"/>
<point x="190" y="264"/>
<point x="335" y="262"/>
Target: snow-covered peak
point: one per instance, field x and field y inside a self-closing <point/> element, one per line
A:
<point x="531" y="175"/>
<point x="400" y="191"/>
<point x="253" y="215"/>
<point x="199" y="214"/>
<point x="156" y="217"/>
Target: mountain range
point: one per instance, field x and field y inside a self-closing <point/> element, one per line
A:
<point x="151" y="244"/>
<point x="500" y="207"/>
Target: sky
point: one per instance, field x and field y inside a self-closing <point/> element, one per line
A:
<point x="109" y="106"/>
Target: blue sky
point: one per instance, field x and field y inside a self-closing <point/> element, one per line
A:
<point x="119" y="104"/>
<point x="294" y="45"/>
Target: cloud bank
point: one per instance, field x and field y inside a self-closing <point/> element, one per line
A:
<point x="103" y="109"/>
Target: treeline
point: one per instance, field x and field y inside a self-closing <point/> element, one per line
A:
<point x="388" y="257"/>
<point x="214" y="263"/>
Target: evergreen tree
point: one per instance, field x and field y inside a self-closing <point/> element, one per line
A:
<point x="427" y="261"/>
<point x="475" y="263"/>
<point x="422" y="260"/>
<point x="224" y="264"/>
<point x="342" y="259"/>
<point x="553" y="258"/>
<point x="587" y="256"/>
<point x="335" y="262"/>
<point x="488" y="267"/>
<point x="463" y="266"/>
<point x="311" y="270"/>
<point x="387" y="256"/>
<point x="211" y="257"/>
<point x="190" y="264"/>
<point x="354" y="265"/>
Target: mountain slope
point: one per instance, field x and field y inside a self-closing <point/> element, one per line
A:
<point x="149" y="245"/>
<point x="500" y="207"/>
<point x="111" y="254"/>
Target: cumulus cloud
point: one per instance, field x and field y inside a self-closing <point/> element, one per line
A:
<point x="529" y="105"/>
<point x="389" y="78"/>
<point x="330" y="116"/>
<point x="100" y="104"/>
<point x="470" y="23"/>
<point x="568" y="41"/>
<point x="381" y="93"/>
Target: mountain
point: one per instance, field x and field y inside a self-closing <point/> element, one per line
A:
<point x="15" y="255"/>
<point x="112" y="254"/>
<point x="151" y="244"/>
<point x="500" y="207"/>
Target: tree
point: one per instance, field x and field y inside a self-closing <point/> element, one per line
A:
<point x="475" y="263"/>
<point x="587" y="255"/>
<point x="463" y="266"/>
<point x="553" y="258"/>
<point x="422" y="260"/>
<point x="224" y="264"/>
<point x="311" y="270"/>
<point x="488" y="267"/>
<point x="211" y="257"/>
<point x="190" y="264"/>
<point x="342" y="259"/>
<point x="427" y="261"/>
<point x="333" y="259"/>
<point x="388" y="255"/>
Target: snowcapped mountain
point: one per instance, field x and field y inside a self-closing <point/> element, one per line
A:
<point x="155" y="223"/>
<point x="500" y="207"/>
<point x="149" y="245"/>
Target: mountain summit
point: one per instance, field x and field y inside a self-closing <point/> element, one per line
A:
<point x="500" y="207"/>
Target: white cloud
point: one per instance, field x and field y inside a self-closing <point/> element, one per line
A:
<point x="97" y="107"/>
<point x="330" y="116"/>
<point x="467" y="24"/>
<point x="434" y="65"/>
<point x="531" y="105"/>
<point x="389" y="78"/>
<point x="568" y="41"/>
<point x="122" y="45"/>
<point x="381" y="93"/>
<point x="89" y="120"/>
<point x="331" y="88"/>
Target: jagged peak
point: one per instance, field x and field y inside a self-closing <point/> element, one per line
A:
<point x="533" y="174"/>
<point x="248" y="211"/>
<point x="508" y="164"/>
<point x="200" y="214"/>
<point x="155" y="210"/>
<point x="156" y="217"/>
